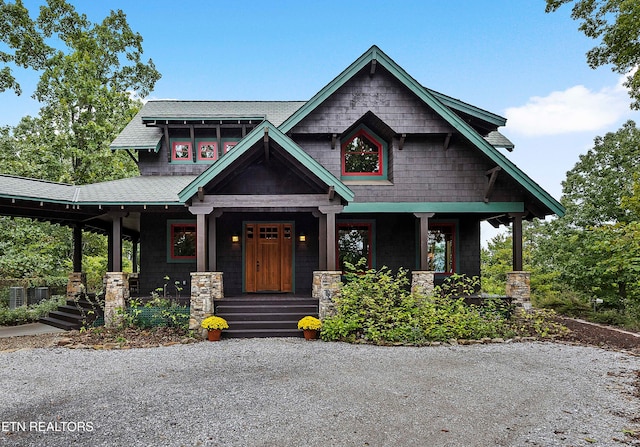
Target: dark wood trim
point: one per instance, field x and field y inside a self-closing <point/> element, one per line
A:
<point x="423" y="219"/>
<point x="517" y="241"/>
<point x="447" y="141"/>
<point x="292" y="201"/>
<point x="265" y="141"/>
<point x="167" y="142"/>
<point x="493" y="173"/>
<point x="77" y="248"/>
<point x="194" y="149"/>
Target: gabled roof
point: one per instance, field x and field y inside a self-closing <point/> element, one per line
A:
<point x="254" y="137"/>
<point x="435" y="102"/>
<point x="137" y="135"/>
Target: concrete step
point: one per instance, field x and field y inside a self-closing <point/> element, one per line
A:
<point x="61" y="324"/>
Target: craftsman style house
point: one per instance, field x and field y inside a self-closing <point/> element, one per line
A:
<point x="374" y="166"/>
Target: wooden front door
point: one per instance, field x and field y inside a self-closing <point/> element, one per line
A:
<point x="268" y="257"/>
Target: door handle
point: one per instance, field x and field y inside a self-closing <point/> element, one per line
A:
<point x="257" y="266"/>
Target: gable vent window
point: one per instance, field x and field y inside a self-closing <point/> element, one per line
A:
<point x="364" y="155"/>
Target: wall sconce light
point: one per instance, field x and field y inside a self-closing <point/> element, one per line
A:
<point x="235" y="238"/>
<point x="302" y="237"/>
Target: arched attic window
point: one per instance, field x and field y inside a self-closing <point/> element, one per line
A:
<point x="364" y="155"/>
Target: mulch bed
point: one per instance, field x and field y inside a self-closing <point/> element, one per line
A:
<point x="602" y="336"/>
<point x="582" y="333"/>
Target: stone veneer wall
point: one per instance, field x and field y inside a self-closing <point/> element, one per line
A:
<point x="77" y="285"/>
<point x="205" y="288"/>
<point x="116" y="295"/>
<point x="325" y="286"/>
<point x="422" y="282"/>
<point x="519" y="288"/>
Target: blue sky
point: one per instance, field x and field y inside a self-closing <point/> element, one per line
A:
<point x="505" y="56"/>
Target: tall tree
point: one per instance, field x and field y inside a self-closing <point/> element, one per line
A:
<point x="616" y="24"/>
<point x="596" y="247"/>
<point x="89" y="74"/>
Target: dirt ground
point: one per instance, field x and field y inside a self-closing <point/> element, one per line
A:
<point x="602" y="336"/>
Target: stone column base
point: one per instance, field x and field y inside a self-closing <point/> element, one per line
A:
<point x="519" y="288"/>
<point x="116" y="294"/>
<point x="76" y="286"/>
<point x="326" y="285"/>
<point x="205" y="288"/>
<point x="422" y="282"/>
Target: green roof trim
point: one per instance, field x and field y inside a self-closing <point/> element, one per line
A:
<point x="469" y="109"/>
<point x="225" y="117"/>
<point x="145" y="147"/>
<point x="254" y="137"/>
<point x="436" y="103"/>
<point x="434" y="207"/>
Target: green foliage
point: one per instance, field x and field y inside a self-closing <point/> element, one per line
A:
<point x="375" y="306"/>
<point x="538" y="323"/>
<point x="615" y="23"/>
<point x="593" y="252"/>
<point x="29" y="314"/>
<point x="155" y="313"/>
<point x="496" y="261"/>
<point x="33" y="249"/>
<point x="89" y="73"/>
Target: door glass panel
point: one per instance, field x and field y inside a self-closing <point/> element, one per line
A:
<point x="269" y="232"/>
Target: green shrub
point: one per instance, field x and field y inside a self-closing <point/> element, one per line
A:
<point x="156" y="313"/>
<point x="375" y="306"/>
<point x="29" y="314"/>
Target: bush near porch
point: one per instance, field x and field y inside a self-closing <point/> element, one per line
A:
<point x="376" y="306"/>
<point x="158" y="312"/>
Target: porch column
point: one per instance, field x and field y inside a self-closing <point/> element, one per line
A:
<point x="322" y="236"/>
<point x="115" y="243"/>
<point x="205" y="288"/>
<point x="330" y="212"/>
<point x="201" y="211"/>
<point x="326" y="285"/>
<point x="134" y="254"/>
<point x="116" y="295"/>
<point x="77" y="247"/>
<point x="519" y="288"/>
<point x="424" y="239"/>
<point x="517" y="241"/>
<point x="76" y="285"/>
<point x="212" y="236"/>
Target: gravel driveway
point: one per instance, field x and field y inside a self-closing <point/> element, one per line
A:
<point x="288" y="392"/>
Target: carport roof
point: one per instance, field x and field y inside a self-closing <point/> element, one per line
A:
<point x="147" y="190"/>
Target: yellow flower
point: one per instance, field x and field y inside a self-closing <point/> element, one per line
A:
<point x="309" y="323"/>
<point x="214" y="322"/>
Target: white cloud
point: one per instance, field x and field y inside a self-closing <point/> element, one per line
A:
<point x="576" y="109"/>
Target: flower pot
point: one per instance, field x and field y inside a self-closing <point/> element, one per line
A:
<point x="310" y="334"/>
<point x="214" y="334"/>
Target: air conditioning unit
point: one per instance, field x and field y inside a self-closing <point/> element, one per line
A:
<point x="37" y="294"/>
<point x="17" y="297"/>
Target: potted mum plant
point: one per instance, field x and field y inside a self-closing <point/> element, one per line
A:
<point x="214" y="325"/>
<point x="310" y="326"/>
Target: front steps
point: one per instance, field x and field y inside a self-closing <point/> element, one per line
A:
<point x="264" y="316"/>
<point x="71" y="316"/>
